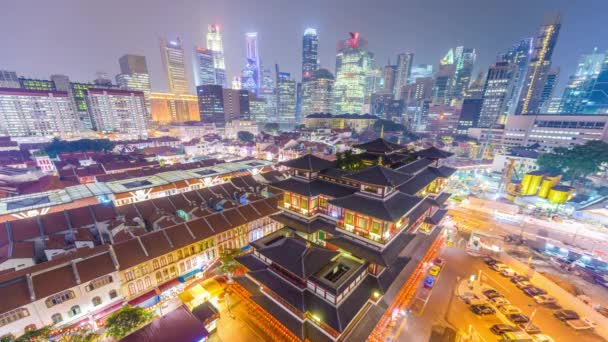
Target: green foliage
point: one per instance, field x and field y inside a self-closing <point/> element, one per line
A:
<point x="271" y="127"/>
<point x="59" y="146"/>
<point x="7" y="338"/>
<point x="228" y="264"/>
<point x="576" y="162"/>
<point x="83" y="336"/>
<point x="389" y="126"/>
<point x="127" y="319"/>
<point x="349" y="161"/>
<point x="38" y="335"/>
<point x="245" y="136"/>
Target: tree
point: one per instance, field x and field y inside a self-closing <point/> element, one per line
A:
<point x="7" y="338"/>
<point x="37" y="335"/>
<point x="228" y="263"/>
<point x="83" y="336"/>
<point x="577" y="162"/>
<point x="127" y="319"/>
<point x="349" y="161"/>
<point x="83" y="145"/>
<point x="271" y="127"/>
<point x="245" y="136"/>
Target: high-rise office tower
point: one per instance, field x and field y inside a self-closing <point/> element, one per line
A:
<point x="236" y="105"/>
<point x="211" y="102"/>
<point x="318" y="93"/>
<point x="374" y="82"/>
<point x="134" y="76"/>
<point x="9" y="79"/>
<point x="548" y="88"/>
<point x="539" y="66"/>
<point x="353" y="63"/>
<point x="475" y="90"/>
<point x="579" y="85"/>
<point x="215" y="44"/>
<point x="444" y="78"/>
<point x="251" y="74"/>
<point x="286" y="97"/>
<point x="597" y="101"/>
<point x="420" y="71"/>
<point x="497" y="90"/>
<point x="118" y="111"/>
<point x="464" y="62"/>
<point x="268" y="93"/>
<point x="404" y="68"/>
<point x="519" y="55"/>
<point x="389" y="73"/>
<point x="310" y="53"/>
<point x="204" y="67"/>
<point x="174" y="64"/>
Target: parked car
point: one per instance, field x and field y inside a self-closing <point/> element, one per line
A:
<point x="508" y="272"/>
<point x="434" y="270"/>
<point x="529" y="328"/>
<point x="516" y="336"/>
<point x="509" y="309"/>
<point x="490" y="293"/>
<point x="482" y="309"/>
<point x="581" y="324"/>
<point x="523" y="284"/>
<point x="545" y="299"/>
<point x="499" y="301"/>
<point x="534" y="291"/>
<point x="519" y="278"/>
<point x="499" y="267"/>
<point x="439" y="262"/>
<point x="429" y="282"/>
<point x="542" y="338"/>
<point x="518" y="318"/>
<point x="490" y="261"/>
<point x="566" y="315"/>
<point x="499" y="329"/>
<point x="603" y="311"/>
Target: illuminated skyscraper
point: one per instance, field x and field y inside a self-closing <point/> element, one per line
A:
<point x="353" y="63"/>
<point x="215" y="44"/>
<point x="421" y="71"/>
<point x="211" y="102"/>
<point x="134" y="76"/>
<point x="404" y="68"/>
<point x="464" y="61"/>
<point x="389" y="73"/>
<point x="286" y="97"/>
<point x="250" y="77"/>
<point x="579" y="85"/>
<point x="310" y="54"/>
<point x="497" y="91"/>
<point x="118" y="111"/>
<point x="548" y="88"/>
<point x="318" y="93"/>
<point x="519" y="55"/>
<point x="204" y="68"/>
<point x="175" y="65"/>
<point x="539" y="66"/>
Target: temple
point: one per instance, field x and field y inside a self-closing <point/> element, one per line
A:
<point x="349" y="240"/>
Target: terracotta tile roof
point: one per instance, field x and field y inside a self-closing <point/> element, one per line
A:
<point x="249" y="212"/>
<point x="103" y="212"/>
<point x="179" y="235"/>
<point x="129" y="253"/>
<point x="53" y="281"/>
<point x="218" y="223"/>
<point x="208" y="193"/>
<point x="145" y="209"/>
<point x="156" y="243"/>
<point x="165" y="204"/>
<point x="54" y="222"/>
<point x="179" y="202"/>
<point x="55" y="242"/>
<point x="80" y="217"/>
<point x="95" y="267"/>
<point x="234" y="217"/>
<point x="14" y="293"/>
<point x="265" y="207"/>
<point x="192" y="196"/>
<point x="200" y="228"/>
<point x="129" y="211"/>
<point x="25" y="229"/>
<point x="83" y="234"/>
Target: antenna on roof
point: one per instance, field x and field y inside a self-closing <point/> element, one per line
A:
<point x="382" y="132"/>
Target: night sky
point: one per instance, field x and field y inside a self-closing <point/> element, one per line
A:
<point x="78" y="38"/>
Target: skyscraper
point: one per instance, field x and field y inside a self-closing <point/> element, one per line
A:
<point x="404" y="68"/>
<point x="420" y="71"/>
<point x="389" y="73"/>
<point x="353" y="62"/>
<point x="464" y="62"/>
<point x="134" y="76"/>
<point x="548" y="88"/>
<point x="597" y="101"/>
<point x="251" y="74"/>
<point x="8" y="79"/>
<point x="497" y="90"/>
<point x="211" y="102"/>
<point x="579" y="85"/>
<point x="118" y="111"/>
<point x="175" y="65"/>
<point x="286" y="97"/>
<point x="318" y="93"/>
<point x="215" y="44"/>
<point x="310" y="54"/>
<point x="204" y="67"/>
<point x="539" y="66"/>
<point x="519" y="55"/>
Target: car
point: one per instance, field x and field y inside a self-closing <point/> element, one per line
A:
<point x="515" y="336"/>
<point x="482" y="309"/>
<point x="523" y="284"/>
<point x="499" y="329"/>
<point x="518" y="278"/>
<point x="603" y="311"/>
<point x="498" y="267"/>
<point x="434" y="270"/>
<point x="518" y="318"/>
<point x="534" y="291"/>
<point x="499" y="301"/>
<point x="544" y="299"/>
<point x="439" y="262"/>
<point x="508" y="272"/>
<point x="542" y="338"/>
<point x="529" y="328"/>
<point x="490" y="261"/>
<point x="509" y="309"/>
<point x="429" y="282"/>
<point x="566" y="315"/>
<point x="581" y="324"/>
<point x="491" y="294"/>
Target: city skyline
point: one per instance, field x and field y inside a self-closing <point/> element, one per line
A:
<point x="386" y="38"/>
